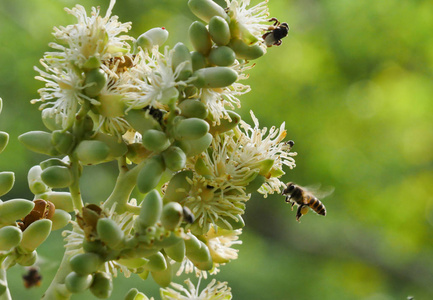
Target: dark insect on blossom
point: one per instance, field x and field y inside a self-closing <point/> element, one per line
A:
<point x="275" y="33"/>
<point x="32" y="278"/>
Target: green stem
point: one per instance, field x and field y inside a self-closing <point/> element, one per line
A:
<point x="4" y="284"/>
<point x="125" y="183"/>
<point x="74" y="188"/>
<point x="53" y="291"/>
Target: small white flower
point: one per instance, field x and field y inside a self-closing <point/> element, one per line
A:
<point x="214" y="291"/>
<point x="250" y="18"/>
<point x="91" y="36"/>
<point x="220" y="243"/>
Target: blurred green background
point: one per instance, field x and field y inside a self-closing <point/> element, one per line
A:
<point x="352" y="81"/>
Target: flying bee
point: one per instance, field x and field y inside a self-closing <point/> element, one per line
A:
<point x="302" y="197"/>
<point x="275" y="33"/>
<point x="32" y="278"/>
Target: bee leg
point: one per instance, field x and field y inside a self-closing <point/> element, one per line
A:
<point x="265" y="35"/>
<point x="276" y="21"/>
<point x="293" y="203"/>
<point x="298" y="213"/>
<point x="277" y="43"/>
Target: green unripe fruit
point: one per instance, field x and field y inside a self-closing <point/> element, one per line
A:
<point x="200" y="37"/>
<point x="172" y="214"/>
<point x="92" y="63"/>
<point x="7" y="180"/>
<point x="35" y="234"/>
<point x="190" y="129"/>
<point x="219" y="30"/>
<point x="94" y="82"/>
<point x="60" y="219"/>
<point x="109" y="232"/>
<point x="178" y="187"/>
<point x="52" y="162"/>
<point x="193" y="108"/>
<point x="133" y="263"/>
<point x="155" y="140"/>
<point x="153" y="37"/>
<point x="112" y="106"/>
<point x="77" y="283"/>
<point x="102" y="285"/>
<point x="198" y="253"/>
<point x="226" y="124"/>
<point x="92" y="152"/>
<point x="244" y="51"/>
<point x="222" y="56"/>
<point x="133" y="294"/>
<point x="140" y="121"/>
<point x="181" y="55"/>
<point x="214" y="77"/>
<point x="150" y="174"/>
<point x="57" y="176"/>
<point x="206" y="9"/>
<point x="27" y="259"/>
<point x="117" y="148"/>
<point x="197" y="146"/>
<point x="176" y="251"/>
<point x="38" y="141"/>
<point x="63" y="141"/>
<point x="198" y="60"/>
<point x="163" y="278"/>
<point x="150" y="211"/>
<point x="14" y="209"/>
<point x="61" y="200"/>
<point x="174" y="158"/>
<point x="10" y="236"/>
<point x="156" y="263"/>
<point x="85" y="263"/>
<point x="4" y="139"/>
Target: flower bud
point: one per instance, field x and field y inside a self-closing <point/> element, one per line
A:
<point x="77" y="283"/>
<point x="239" y="31"/>
<point x="243" y="51"/>
<point x="193" y="108"/>
<point x="60" y="219"/>
<point x="92" y="63"/>
<point x="27" y="259"/>
<point x="63" y="141"/>
<point x="156" y="263"/>
<point x="255" y="183"/>
<point x="117" y="148"/>
<point x="36" y="185"/>
<point x="4" y="139"/>
<point x="226" y="124"/>
<point x="35" y="234"/>
<point x="85" y="263"/>
<point x="197" y="146"/>
<point x="200" y="37"/>
<point x="190" y="129"/>
<point x="181" y="55"/>
<point x="112" y="105"/>
<point x="38" y="141"/>
<point x="52" y="162"/>
<point x="91" y="152"/>
<point x="214" y="77"/>
<point x="7" y="180"/>
<point x="198" y="60"/>
<point x="134" y="294"/>
<point x="176" y="251"/>
<point x="206" y="9"/>
<point x="140" y="121"/>
<point x="109" y="232"/>
<point x="57" y="176"/>
<point x="94" y="82"/>
<point x="150" y="174"/>
<point x="14" y="209"/>
<point x="199" y="254"/>
<point x="10" y="236"/>
<point x="155" y="140"/>
<point x="231" y="224"/>
<point x="174" y="158"/>
<point x="172" y="214"/>
<point x="222" y="56"/>
<point x="150" y="211"/>
<point x="102" y="285"/>
<point x="50" y="120"/>
<point x="61" y="200"/>
<point x="178" y="187"/>
<point x="133" y="263"/>
<point x="153" y="37"/>
<point x="163" y="278"/>
<point x="219" y="31"/>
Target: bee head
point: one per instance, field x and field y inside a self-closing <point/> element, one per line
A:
<point x="289" y="189"/>
<point x="284" y="25"/>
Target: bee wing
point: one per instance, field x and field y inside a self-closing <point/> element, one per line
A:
<point x="318" y="191"/>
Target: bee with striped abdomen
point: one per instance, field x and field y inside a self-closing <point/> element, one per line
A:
<point x="302" y="197"/>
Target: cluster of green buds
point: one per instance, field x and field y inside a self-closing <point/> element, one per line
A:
<point x="164" y="117"/>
